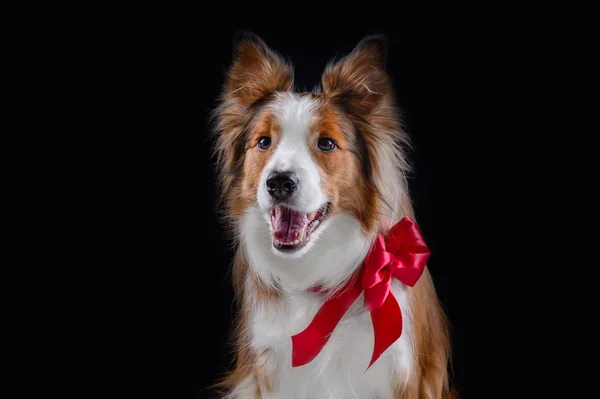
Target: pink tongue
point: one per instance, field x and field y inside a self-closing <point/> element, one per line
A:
<point x="288" y="224"/>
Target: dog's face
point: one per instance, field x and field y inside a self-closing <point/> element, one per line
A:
<point x="301" y="163"/>
<point x="302" y="166"/>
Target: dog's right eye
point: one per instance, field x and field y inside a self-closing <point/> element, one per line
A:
<point x="264" y="143"/>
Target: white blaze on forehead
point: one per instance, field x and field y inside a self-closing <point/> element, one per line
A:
<point x="292" y="152"/>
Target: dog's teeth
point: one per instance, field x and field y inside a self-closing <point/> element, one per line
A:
<point x="311" y="215"/>
<point x="287" y="244"/>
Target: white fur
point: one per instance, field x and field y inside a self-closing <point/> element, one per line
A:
<point x="292" y="154"/>
<point x="337" y="248"/>
<point x="338" y="372"/>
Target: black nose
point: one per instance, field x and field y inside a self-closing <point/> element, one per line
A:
<point x="281" y="185"/>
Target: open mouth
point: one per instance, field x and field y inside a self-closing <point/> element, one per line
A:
<point x="292" y="229"/>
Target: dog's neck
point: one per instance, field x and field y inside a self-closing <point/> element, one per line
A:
<point x="337" y="251"/>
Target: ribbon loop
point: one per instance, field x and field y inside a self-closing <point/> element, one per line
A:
<point x="401" y="255"/>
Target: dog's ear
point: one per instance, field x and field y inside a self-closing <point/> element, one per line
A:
<point x="361" y="74"/>
<point x="256" y="70"/>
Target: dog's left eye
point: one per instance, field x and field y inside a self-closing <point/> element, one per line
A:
<point x="264" y="143"/>
<point x="326" y="144"/>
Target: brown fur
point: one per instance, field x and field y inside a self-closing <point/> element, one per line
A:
<point x="360" y="89"/>
<point x="345" y="185"/>
<point x="432" y="346"/>
<point x="244" y="359"/>
<point x="263" y="375"/>
<point x="360" y="75"/>
<point x="432" y="342"/>
<point x="356" y="109"/>
<point x="255" y="73"/>
<point x="244" y="190"/>
<point x="248" y="289"/>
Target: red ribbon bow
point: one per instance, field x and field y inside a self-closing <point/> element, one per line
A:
<point x="402" y="255"/>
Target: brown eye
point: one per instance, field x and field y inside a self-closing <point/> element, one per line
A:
<point x="325" y="144"/>
<point x="264" y="143"/>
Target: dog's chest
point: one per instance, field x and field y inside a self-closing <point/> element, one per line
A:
<point x="339" y="370"/>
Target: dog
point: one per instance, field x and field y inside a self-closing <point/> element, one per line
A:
<point x="309" y="183"/>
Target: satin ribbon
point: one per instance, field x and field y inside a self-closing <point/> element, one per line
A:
<point x="401" y="255"/>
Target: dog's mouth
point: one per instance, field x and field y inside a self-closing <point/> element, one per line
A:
<point x="291" y="229"/>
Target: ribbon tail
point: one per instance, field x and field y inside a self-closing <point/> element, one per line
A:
<point x="307" y="344"/>
<point x="387" y="326"/>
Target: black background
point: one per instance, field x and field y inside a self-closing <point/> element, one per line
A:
<point x="162" y="83"/>
<point x="436" y="77"/>
<point x="140" y="83"/>
<point x="109" y="104"/>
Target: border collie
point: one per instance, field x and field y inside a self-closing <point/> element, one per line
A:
<point x="312" y="184"/>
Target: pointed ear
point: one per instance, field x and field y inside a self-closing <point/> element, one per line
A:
<point x="256" y="71"/>
<point x="361" y="74"/>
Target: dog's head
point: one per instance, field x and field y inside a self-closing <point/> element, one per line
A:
<point x="301" y="170"/>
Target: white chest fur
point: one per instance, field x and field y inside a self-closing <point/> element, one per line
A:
<point x="339" y="370"/>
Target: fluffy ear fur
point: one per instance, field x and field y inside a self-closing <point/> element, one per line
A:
<point x="360" y="86"/>
<point x="256" y="71"/>
<point x="360" y="75"/>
